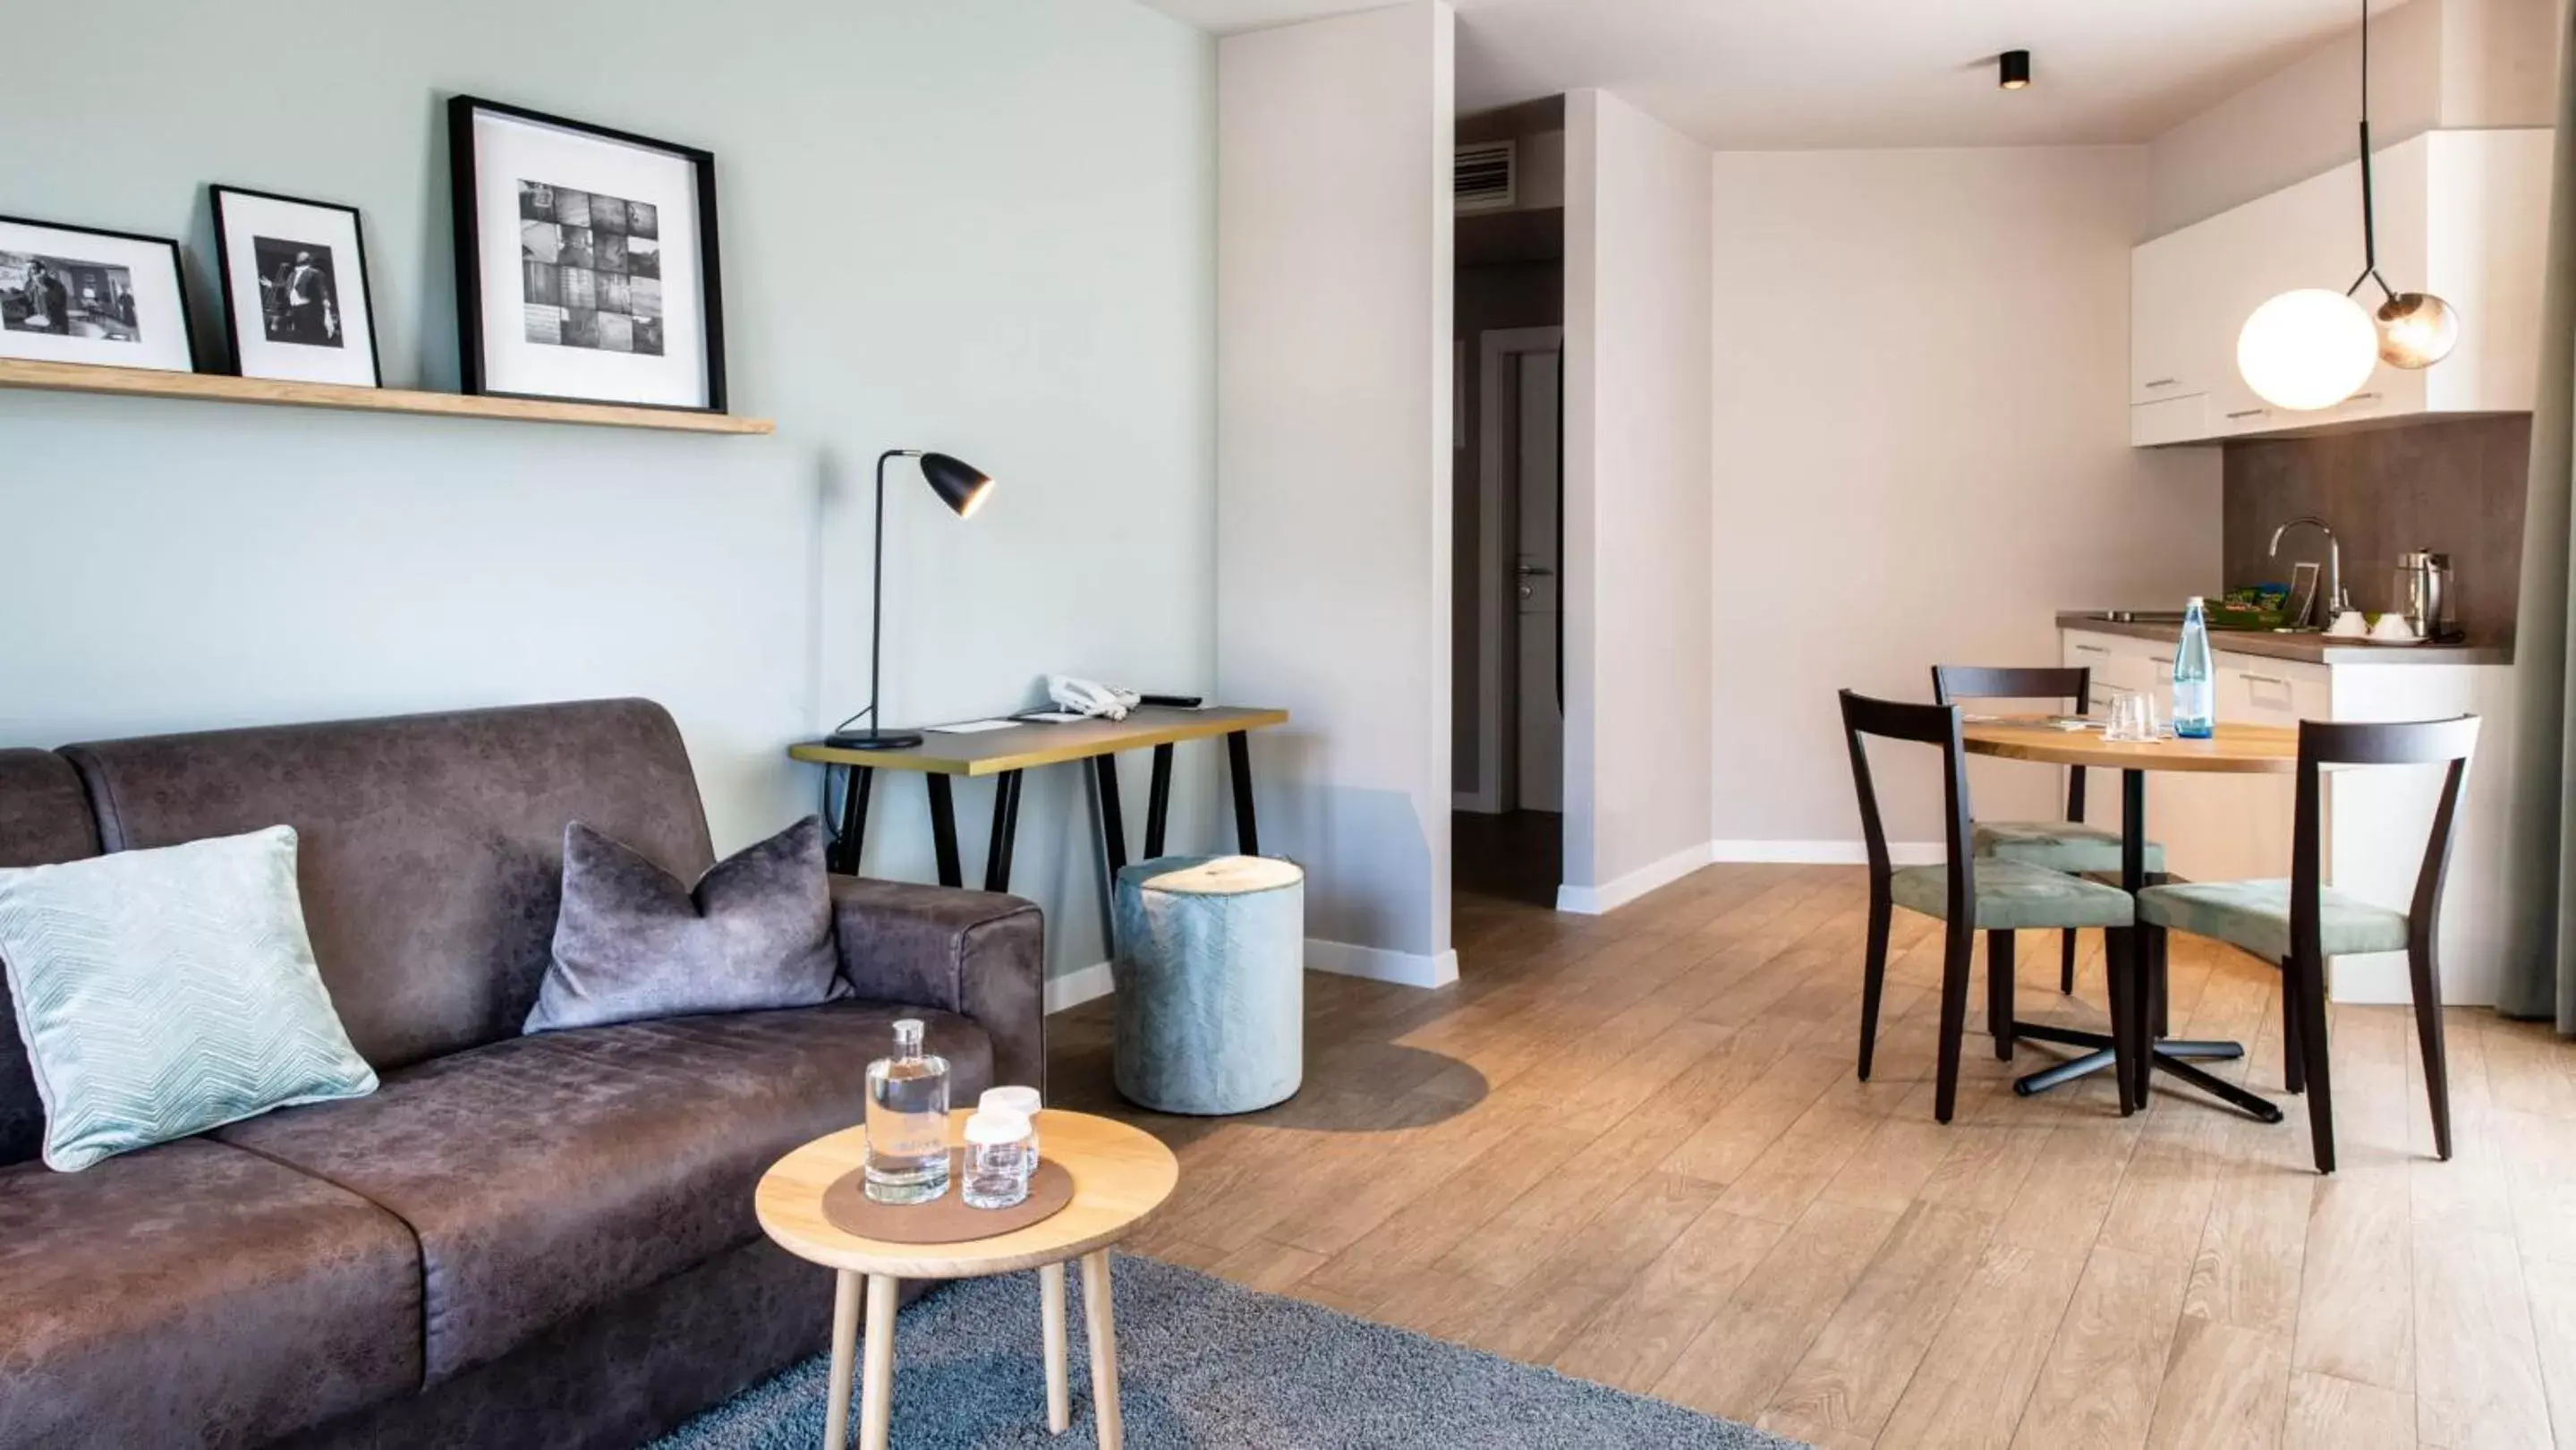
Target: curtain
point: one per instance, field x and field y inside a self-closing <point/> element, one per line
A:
<point x="2540" y="871"/>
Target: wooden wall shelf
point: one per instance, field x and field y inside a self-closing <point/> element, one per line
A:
<point x="216" y="387"/>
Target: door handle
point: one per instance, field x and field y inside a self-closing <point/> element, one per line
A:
<point x="1533" y="571"/>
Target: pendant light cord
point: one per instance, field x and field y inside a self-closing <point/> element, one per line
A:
<point x="2369" y="212"/>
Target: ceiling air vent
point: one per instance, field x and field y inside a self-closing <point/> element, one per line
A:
<point x="1486" y="176"/>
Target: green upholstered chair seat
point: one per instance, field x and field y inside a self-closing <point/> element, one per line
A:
<point x="2069" y="846"/>
<point x="2011" y="895"/>
<point x="2255" y="915"/>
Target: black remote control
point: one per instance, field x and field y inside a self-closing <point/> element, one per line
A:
<point x="1183" y="702"/>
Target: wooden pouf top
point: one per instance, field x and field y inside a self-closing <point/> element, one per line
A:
<point x="1225" y="876"/>
<point x="1121" y="1175"/>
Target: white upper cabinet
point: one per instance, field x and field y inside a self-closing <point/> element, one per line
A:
<point x="2462" y="214"/>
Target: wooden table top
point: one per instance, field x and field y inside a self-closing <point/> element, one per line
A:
<point x="2234" y="749"/>
<point x="1019" y="747"/>
<point x="1121" y="1175"/>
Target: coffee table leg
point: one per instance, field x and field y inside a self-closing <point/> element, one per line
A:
<point x="876" y="1379"/>
<point x="845" y="1343"/>
<point x="1100" y="1326"/>
<point x="1051" y="1315"/>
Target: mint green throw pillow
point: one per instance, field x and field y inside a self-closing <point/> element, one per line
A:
<point x="161" y="993"/>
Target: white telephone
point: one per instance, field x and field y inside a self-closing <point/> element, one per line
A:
<point x="1090" y="697"/>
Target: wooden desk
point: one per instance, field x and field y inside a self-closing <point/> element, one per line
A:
<point x="1004" y="753"/>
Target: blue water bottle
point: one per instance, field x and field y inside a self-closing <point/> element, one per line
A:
<point x="2195" y="693"/>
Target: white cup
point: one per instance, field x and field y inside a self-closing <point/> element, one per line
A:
<point x="2394" y="628"/>
<point x="2349" y="625"/>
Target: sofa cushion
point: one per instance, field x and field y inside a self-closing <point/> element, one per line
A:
<point x="548" y="1175"/>
<point x="432" y="844"/>
<point x="195" y="1294"/>
<point x="635" y="942"/>
<point x="43" y="819"/>
<point x="161" y="993"/>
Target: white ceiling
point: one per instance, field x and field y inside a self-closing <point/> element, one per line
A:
<point x="1819" y="73"/>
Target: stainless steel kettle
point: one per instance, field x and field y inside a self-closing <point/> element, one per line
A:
<point x="2425" y="594"/>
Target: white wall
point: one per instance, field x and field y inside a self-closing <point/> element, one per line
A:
<point x="2432" y="63"/>
<point x="1922" y="455"/>
<point x="1333" y="493"/>
<point x="984" y="227"/>
<point x="1637" y="484"/>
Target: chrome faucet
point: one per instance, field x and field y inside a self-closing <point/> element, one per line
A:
<point x="2334" y="596"/>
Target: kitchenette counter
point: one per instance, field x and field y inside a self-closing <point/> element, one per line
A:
<point x="2313" y="649"/>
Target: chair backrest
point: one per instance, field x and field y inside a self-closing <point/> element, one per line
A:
<point x="2073" y="684"/>
<point x="1938" y="725"/>
<point x="2415" y="742"/>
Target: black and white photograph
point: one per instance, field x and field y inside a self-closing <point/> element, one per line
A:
<point x="586" y="261"/>
<point x="299" y="302"/>
<point x="72" y="294"/>
<point x="576" y="257"/>
<point x="67" y="297"/>
<point x="296" y="304"/>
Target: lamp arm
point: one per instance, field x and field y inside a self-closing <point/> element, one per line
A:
<point x="876" y="600"/>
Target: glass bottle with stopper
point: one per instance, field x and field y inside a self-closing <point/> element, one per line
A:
<point x="907" y="1121"/>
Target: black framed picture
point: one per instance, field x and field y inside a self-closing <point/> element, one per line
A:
<point x="81" y="295"/>
<point x="296" y="302"/>
<point x="585" y="261"/>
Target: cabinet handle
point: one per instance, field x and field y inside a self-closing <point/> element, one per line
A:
<point x="2092" y="649"/>
<point x="2363" y="398"/>
<point x="2162" y="382"/>
<point x="2249" y="412"/>
<point x="2253" y="679"/>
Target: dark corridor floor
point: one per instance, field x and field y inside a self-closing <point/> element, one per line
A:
<point x="1517" y="856"/>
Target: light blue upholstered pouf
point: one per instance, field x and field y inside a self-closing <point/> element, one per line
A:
<point x="1211" y="973"/>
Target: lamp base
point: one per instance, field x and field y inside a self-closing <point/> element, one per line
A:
<point x="874" y="740"/>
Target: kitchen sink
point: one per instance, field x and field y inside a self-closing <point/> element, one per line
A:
<point x="2217" y="621"/>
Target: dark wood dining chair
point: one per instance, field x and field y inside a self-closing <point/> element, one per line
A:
<point x="1966" y="894"/>
<point x="2302" y="921"/>
<point x="2070" y="845"/>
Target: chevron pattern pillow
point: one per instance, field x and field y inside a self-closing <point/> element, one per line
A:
<point x="164" y="992"/>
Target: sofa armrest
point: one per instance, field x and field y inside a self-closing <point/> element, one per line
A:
<point x="978" y="954"/>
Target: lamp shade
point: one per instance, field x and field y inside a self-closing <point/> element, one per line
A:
<point x="2417" y="330"/>
<point x="958" y="485"/>
<point x="2307" y="349"/>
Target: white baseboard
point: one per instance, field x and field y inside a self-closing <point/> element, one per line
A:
<point x="1611" y="895"/>
<point x="1824" y="853"/>
<point x="1407" y="969"/>
<point x="1077" y="987"/>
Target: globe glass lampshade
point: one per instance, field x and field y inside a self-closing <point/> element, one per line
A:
<point x="2307" y="349"/>
<point x="2417" y="330"/>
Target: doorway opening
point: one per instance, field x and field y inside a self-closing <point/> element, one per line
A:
<point x="1508" y="667"/>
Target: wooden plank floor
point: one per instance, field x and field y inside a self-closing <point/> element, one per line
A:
<point x="1633" y="1147"/>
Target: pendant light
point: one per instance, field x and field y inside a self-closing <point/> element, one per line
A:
<point x="2312" y="348"/>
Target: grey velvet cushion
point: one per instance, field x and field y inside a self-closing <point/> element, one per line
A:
<point x="633" y="942"/>
<point x="2070" y="846"/>
<point x="2011" y="895"/>
<point x="2255" y="915"/>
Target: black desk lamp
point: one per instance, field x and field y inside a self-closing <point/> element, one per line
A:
<point x="962" y="489"/>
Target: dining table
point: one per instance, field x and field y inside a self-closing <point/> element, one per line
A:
<point x="2230" y="749"/>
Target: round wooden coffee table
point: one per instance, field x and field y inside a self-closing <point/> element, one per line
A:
<point x="1120" y="1176"/>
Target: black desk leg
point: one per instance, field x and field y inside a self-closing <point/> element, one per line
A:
<point x="1113" y="821"/>
<point x="1158" y="802"/>
<point x="1238" y="756"/>
<point x="856" y="781"/>
<point x="943" y="829"/>
<point x="1006" y="830"/>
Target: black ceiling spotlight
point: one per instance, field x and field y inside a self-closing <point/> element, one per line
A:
<point x="2014" y="70"/>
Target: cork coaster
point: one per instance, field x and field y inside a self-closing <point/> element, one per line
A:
<point x="946" y="1219"/>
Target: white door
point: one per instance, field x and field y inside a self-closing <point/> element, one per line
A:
<point x="1534" y="588"/>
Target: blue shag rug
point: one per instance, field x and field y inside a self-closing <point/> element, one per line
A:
<point x="1205" y="1363"/>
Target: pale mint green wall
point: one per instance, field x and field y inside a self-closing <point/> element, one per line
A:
<point x="978" y="225"/>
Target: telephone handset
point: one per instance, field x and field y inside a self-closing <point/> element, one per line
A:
<point x="1089" y="697"/>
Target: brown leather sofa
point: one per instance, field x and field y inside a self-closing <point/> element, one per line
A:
<point x="517" y="1241"/>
